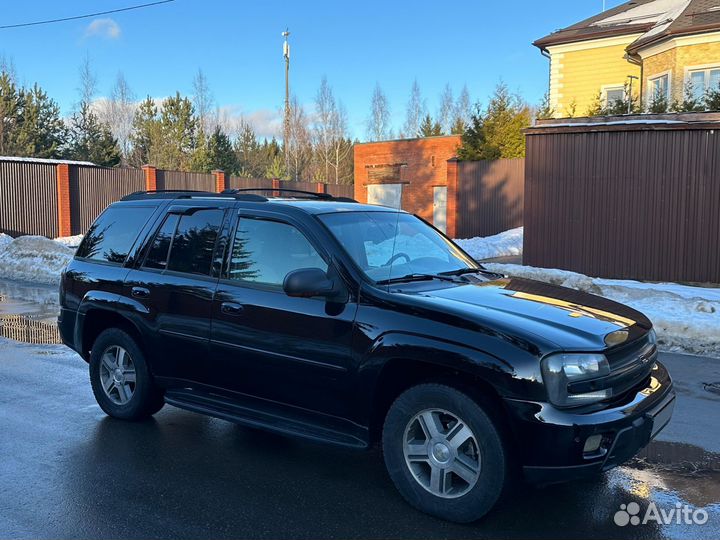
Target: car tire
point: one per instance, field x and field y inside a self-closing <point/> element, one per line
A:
<point x="432" y="485"/>
<point x="121" y="379"/>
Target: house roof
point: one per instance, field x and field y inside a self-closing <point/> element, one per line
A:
<point x="654" y="19"/>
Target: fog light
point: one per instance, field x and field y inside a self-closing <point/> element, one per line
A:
<point x="592" y="444"/>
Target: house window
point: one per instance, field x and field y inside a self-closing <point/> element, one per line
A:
<point x="613" y="95"/>
<point x="659" y="88"/>
<point x="703" y="80"/>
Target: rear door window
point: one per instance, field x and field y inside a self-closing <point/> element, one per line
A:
<point x="113" y="234"/>
<point x="157" y="257"/>
<point x="194" y="240"/>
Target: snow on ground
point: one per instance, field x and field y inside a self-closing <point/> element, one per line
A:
<point x="687" y="319"/>
<point x="5" y="239"/>
<point x="504" y="244"/>
<point x="70" y="241"/>
<point x="34" y="258"/>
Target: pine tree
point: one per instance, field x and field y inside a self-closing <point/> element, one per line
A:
<point x="220" y="152"/>
<point x="473" y="145"/>
<point x="9" y="111"/>
<point x="178" y="132"/>
<point x="504" y="121"/>
<point x="712" y="99"/>
<point x="690" y="103"/>
<point x="248" y="156"/>
<point x="91" y="140"/>
<point x="276" y="168"/>
<point x="430" y="128"/>
<point x="545" y="110"/>
<point x="145" y="133"/>
<point x="42" y="131"/>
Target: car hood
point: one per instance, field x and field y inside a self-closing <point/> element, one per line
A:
<point x="572" y="320"/>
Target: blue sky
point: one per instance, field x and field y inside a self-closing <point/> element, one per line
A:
<point x="239" y="48"/>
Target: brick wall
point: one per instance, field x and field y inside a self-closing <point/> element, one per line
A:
<point x="418" y="164"/>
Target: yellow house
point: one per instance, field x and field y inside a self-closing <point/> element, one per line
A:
<point x="659" y="48"/>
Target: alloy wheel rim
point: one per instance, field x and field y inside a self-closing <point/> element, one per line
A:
<point x="442" y="453"/>
<point x="117" y="375"/>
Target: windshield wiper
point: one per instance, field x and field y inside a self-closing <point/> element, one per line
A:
<point x="415" y="277"/>
<point x="463" y="271"/>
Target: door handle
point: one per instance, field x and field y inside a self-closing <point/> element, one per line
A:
<point x="140" y="292"/>
<point x="231" y="308"/>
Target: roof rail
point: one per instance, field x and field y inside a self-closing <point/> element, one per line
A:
<point x="286" y="190"/>
<point x="189" y="193"/>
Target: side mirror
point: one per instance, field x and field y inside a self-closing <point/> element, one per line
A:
<point x="307" y="282"/>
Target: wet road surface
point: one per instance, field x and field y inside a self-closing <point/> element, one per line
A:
<point x="66" y="470"/>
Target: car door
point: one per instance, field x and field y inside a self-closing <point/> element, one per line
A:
<point x="176" y="285"/>
<point x="267" y="344"/>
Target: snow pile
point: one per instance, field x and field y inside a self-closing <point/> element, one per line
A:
<point x="504" y="244"/>
<point x="5" y="239"/>
<point x="70" y="241"/>
<point x="34" y="258"/>
<point x="687" y="319"/>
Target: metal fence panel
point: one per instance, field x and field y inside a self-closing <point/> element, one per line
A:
<point x="28" y="199"/>
<point x="92" y="189"/>
<point x="236" y="182"/>
<point x="490" y="196"/>
<point x="636" y="202"/>
<point x="185" y="180"/>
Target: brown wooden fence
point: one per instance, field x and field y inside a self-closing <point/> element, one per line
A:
<point x="28" y="199"/>
<point x="59" y="199"/>
<point x="639" y="201"/>
<point x="489" y="196"/>
<point x="92" y="189"/>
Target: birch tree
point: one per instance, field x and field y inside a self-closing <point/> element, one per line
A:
<point x="378" y="124"/>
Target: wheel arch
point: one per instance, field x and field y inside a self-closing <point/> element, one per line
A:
<point x="98" y="319"/>
<point x="397" y="368"/>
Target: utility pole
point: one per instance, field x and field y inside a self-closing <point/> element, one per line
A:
<point x="286" y="120"/>
<point x="630" y="93"/>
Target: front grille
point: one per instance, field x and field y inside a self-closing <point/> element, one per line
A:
<point x="631" y="364"/>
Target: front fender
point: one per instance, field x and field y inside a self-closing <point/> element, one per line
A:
<point x="509" y="377"/>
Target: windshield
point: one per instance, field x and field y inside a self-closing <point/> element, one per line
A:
<point x="388" y="245"/>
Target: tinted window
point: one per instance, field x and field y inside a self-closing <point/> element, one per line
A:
<point x="266" y="251"/>
<point x="113" y="233"/>
<point x="388" y="244"/>
<point x="157" y="257"/>
<point x="194" y="242"/>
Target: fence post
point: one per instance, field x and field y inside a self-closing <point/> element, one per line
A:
<point x="62" y="176"/>
<point x="275" y="185"/>
<point x="321" y="188"/>
<point x="221" y="183"/>
<point x="150" y="177"/>
<point x="452" y="195"/>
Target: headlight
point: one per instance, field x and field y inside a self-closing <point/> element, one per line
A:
<point x="561" y="370"/>
<point x="652" y="336"/>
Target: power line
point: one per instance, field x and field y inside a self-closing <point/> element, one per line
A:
<point x="86" y="16"/>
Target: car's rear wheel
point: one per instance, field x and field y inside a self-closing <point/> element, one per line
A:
<point x="444" y="453"/>
<point x="120" y="378"/>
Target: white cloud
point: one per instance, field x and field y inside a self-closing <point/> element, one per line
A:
<point x="106" y="28"/>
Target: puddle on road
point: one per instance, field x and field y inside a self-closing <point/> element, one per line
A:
<point x="29" y="313"/>
<point x="673" y="473"/>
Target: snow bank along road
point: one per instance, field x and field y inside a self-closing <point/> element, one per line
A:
<point x="687" y="319"/>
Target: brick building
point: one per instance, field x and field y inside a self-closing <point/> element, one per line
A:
<point x="413" y="174"/>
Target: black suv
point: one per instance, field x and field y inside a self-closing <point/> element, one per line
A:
<point x="353" y="324"/>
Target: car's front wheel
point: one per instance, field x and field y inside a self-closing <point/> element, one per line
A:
<point x="444" y="453"/>
<point x="120" y="378"/>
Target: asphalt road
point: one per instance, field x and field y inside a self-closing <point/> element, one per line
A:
<point x="68" y="471"/>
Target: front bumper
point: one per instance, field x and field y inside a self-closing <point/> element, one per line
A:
<point x="553" y="440"/>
